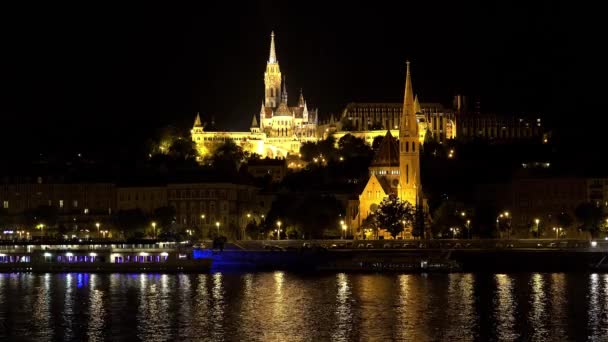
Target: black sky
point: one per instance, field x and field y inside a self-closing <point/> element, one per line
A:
<point x="101" y="77"/>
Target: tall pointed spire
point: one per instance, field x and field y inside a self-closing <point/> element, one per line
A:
<point x="273" y="54"/>
<point x="417" y="108"/>
<point x="284" y="93"/>
<point x="197" y="120"/>
<point x="408" y="120"/>
<point x="301" y="99"/>
<point x="254" y="122"/>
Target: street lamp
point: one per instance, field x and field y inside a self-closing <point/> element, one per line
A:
<point x="202" y="224"/>
<point x="279" y="230"/>
<point x="343" y="231"/>
<point x="469" y="228"/>
<point x="154" y="229"/>
<point x="217" y="224"/>
<point x="97" y="225"/>
<point x="557" y="231"/>
<point x="537" y="221"/>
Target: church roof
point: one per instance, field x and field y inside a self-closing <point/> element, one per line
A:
<point x="386" y="185"/>
<point x="283" y="110"/>
<point x="388" y="153"/>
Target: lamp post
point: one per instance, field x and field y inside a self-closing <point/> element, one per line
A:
<point x="343" y="231"/>
<point x="202" y="226"/>
<point x="97" y="225"/>
<point x="279" y="230"/>
<point x="537" y="221"/>
<point x="217" y="224"/>
<point x="154" y="229"/>
<point x="557" y="231"/>
<point x="469" y="228"/>
<point x="508" y="226"/>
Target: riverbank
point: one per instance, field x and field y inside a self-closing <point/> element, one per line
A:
<point x="418" y="260"/>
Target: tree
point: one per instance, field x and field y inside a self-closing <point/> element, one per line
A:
<point x="309" y="150"/>
<point x="252" y="230"/>
<point x="370" y="225"/>
<point x="445" y="217"/>
<point x="327" y="148"/>
<point x="308" y="215"/>
<point x="564" y="219"/>
<point x="227" y="157"/>
<point x="393" y="214"/>
<point x="350" y="146"/>
<point x="377" y="142"/>
<point x="164" y="217"/>
<point x="132" y="222"/>
<point x="183" y="149"/>
<point x="590" y="217"/>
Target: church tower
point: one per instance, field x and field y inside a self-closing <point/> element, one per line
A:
<point x="409" y="147"/>
<point x="272" y="78"/>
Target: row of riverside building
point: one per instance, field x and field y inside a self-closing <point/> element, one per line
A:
<point x="81" y="204"/>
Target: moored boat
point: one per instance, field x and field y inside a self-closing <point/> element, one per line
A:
<point x="153" y="257"/>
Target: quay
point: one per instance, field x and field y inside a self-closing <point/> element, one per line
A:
<point x="413" y="255"/>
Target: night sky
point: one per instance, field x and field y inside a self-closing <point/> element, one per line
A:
<point x="99" y="78"/>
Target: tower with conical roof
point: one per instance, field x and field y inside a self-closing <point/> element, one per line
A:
<point x="409" y="147"/>
<point x="272" y="78"/>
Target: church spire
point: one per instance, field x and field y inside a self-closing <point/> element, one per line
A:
<point x="409" y="111"/>
<point x="197" y="120"/>
<point x="273" y="54"/>
<point x="254" y="122"/>
<point x="417" y="108"/>
<point x="284" y="93"/>
<point x="301" y="99"/>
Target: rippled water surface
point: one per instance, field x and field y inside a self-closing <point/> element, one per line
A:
<point x="280" y="306"/>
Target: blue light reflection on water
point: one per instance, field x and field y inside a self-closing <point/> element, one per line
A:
<point x="303" y="307"/>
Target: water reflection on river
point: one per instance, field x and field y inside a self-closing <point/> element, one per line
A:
<point x="280" y="306"/>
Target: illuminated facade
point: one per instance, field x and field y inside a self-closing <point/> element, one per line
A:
<point x="280" y="129"/>
<point x="369" y="120"/>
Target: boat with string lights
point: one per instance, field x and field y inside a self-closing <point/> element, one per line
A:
<point x="164" y="257"/>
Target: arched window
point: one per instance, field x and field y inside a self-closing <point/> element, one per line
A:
<point x="407" y="146"/>
<point x="414" y="146"/>
<point x="407" y="174"/>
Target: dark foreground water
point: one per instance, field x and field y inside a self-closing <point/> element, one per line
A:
<point x="279" y="306"/>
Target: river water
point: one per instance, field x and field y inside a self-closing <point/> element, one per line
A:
<point x="282" y="306"/>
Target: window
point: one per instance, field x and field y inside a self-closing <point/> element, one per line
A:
<point x="60" y="204"/>
<point x="75" y="204"/>
<point x="86" y="211"/>
<point x="5" y="204"/>
<point x="407" y="146"/>
<point x="407" y="174"/>
<point x="413" y="146"/>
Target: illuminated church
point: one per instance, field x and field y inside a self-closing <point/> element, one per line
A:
<point x="395" y="168"/>
<point x="278" y="130"/>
